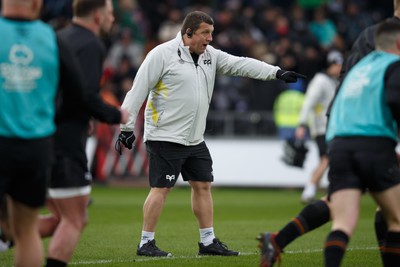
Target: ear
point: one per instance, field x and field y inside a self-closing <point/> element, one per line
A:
<point x="97" y="17"/>
<point x="189" y="32"/>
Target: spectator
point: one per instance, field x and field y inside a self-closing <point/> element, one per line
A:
<point x="170" y="26"/>
<point x="125" y="48"/>
<point x="323" y="28"/>
<point x="353" y="21"/>
<point x="124" y="72"/>
<point x="129" y="15"/>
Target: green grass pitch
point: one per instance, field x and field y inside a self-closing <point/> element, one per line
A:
<point x="114" y="228"/>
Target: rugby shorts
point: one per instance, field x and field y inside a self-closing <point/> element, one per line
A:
<point x="25" y="167"/>
<point x="362" y="163"/>
<point x="69" y="178"/>
<point x="167" y="160"/>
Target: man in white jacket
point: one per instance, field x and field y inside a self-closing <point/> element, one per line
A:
<point x="177" y="78"/>
<point x="319" y="94"/>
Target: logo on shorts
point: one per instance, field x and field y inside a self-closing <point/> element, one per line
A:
<point x="170" y="177"/>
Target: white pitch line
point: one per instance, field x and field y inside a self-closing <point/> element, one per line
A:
<point x="306" y="251"/>
<point x="145" y="259"/>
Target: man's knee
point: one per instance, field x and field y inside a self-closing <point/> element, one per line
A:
<point x="201" y="186"/>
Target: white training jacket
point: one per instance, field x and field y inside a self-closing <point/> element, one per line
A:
<point x="179" y="93"/>
<point x="320" y="92"/>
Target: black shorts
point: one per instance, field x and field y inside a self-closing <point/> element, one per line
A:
<point x="25" y="169"/>
<point x="167" y="160"/>
<point x="362" y="163"/>
<point x="69" y="172"/>
<point x="321" y="143"/>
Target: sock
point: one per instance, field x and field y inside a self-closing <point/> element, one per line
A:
<point x="146" y="237"/>
<point x="309" y="191"/>
<point x="380" y="228"/>
<point x="391" y="249"/>
<point x="55" y="263"/>
<point x="311" y="217"/>
<point x="335" y="247"/>
<point x="207" y="236"/>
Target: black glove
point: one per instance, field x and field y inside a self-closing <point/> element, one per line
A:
<point x="289" y="76"/>
<point x="126" y="138"/>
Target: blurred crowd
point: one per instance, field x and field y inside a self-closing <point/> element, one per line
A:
<point x="293" y="34"/>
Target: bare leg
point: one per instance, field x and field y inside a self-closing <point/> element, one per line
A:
<point x="48" y="223"/>
<point x="153" y="207"/>
<point x="389" y="201"/>
<point x="311" y="187"/>
<point x="73" y="218"/>
<point x="202" y="203"/>
<point x="24" y="225"/>
<point x="345" y="208"/>
<point x="320" y="170"/>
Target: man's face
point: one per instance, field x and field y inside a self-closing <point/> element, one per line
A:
<point x="201" y="38"/>
<point x="107" y="14"/>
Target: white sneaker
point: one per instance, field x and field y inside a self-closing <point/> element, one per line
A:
<point x="309" y="193"/>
